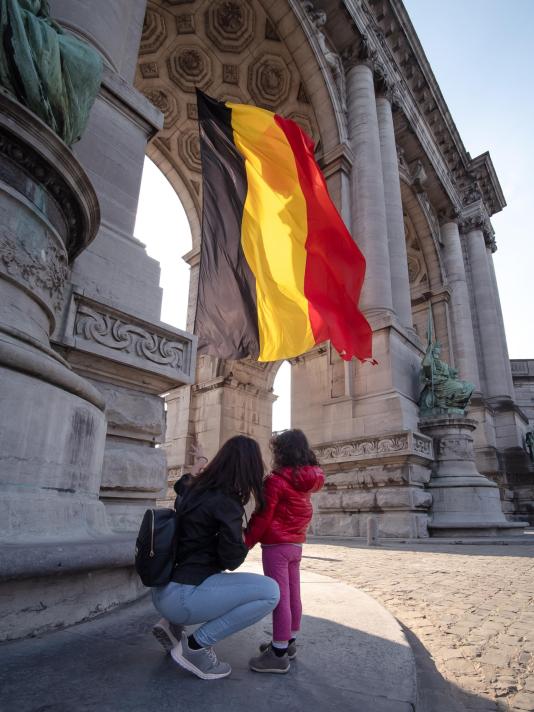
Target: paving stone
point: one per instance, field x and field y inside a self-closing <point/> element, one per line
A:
<point x="472" y="599"/>
<point x="523" y="701"/>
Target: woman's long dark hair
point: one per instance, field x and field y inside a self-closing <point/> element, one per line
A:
<point x="237" y="469"/>
<point x="290" y="448"/>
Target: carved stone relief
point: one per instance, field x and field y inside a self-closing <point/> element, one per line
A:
<point x="106" y="330"/>
<point x="230" y="24"/>
<point x="189" y="149"/>
<point x="269" y="81"/>
<point x="190" y="67"/>
<point x="185" y="24"/>
<point x="154" y="32"/>
<point x="231" y="73"/>
<point x="43" y="269"/>
<point x="165" y="102"/>
<point x="149" y="70"/>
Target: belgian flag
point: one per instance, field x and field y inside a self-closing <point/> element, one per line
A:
<point x="279" y="271"/>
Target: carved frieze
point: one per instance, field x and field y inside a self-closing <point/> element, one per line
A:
<point x="40" y="267"/>
<point x="230" y="24"/>
<point x="165" y="102"/>
<point x="190" y="67"/>
<point x="376" y="447"/>
<point x="113" y="333"/>
<point x="154" y="32"/>
<point x="269" y="80"/>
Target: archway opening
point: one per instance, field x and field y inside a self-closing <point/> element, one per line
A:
<point x="282" y="404"/>
<point x="162" y="225"/>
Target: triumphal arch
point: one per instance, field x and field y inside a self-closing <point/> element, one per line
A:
<point x="356" y="79"/>
<point x="85" y="359"/>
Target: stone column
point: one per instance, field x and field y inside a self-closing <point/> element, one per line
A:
<point x="369" y="225"/>
<point x="490" y="335"/>
<point x="500" y="320"/>
<point x="400" y="282"/>
<point x="465" y="355"/>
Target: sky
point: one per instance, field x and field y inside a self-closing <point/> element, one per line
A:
<point x="482" y="54"/>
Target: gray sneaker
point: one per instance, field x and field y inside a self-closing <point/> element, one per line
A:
<point x="291" y="649"/>
<point x="203" y="663"/>
<point x="167" y="634"/>
<point x="268" y="661"/>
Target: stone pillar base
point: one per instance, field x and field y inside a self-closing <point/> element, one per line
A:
<point x="464" y="502"/>
<point x="381" y="478"/>
<point x="49" y="586"/>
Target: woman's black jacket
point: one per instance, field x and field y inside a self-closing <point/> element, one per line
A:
<point x="209" y="533"/>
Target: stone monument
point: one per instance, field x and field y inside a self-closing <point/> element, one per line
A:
<point x="464" y="502"/>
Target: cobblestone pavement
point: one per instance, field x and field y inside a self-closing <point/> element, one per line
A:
<point x="471" y="606"/>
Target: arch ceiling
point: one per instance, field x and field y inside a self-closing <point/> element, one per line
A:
<point x="234" y="50"/>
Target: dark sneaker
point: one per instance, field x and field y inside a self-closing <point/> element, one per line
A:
<point x="203" y="663"/>
<point x="291" y="649"/>
<point x="268" y="661"/>
<point x="167" y="634"/>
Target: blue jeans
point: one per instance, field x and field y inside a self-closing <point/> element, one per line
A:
<point x="227" y="602"/>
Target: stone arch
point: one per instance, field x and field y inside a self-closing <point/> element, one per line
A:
<point x="427" y="276"/>
<point x="250" y="51"/>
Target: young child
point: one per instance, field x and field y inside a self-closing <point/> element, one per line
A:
<point x="281" y="528"/>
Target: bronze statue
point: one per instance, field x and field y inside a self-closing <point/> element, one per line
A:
<point x="48" y="70"/>
<point x="443" y="392"/>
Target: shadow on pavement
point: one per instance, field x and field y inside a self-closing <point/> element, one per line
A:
<point x="113" y="664"/>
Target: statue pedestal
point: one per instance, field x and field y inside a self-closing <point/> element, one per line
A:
<point x="464" y="502"/>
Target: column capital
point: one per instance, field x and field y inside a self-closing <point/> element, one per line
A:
<point x="481" y="222"/>
<point x="384" y="84"/>
<point x="358" y="53"/>
<point x="448" y="215"/>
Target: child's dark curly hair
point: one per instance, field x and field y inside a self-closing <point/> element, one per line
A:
<point x="290" y="448"/>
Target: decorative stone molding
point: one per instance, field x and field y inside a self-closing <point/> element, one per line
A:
<point x="166" y="354"/>
<point x="154" y="32"/>
<point x="42" y="269"/>
<point x="165" y="102"/>
<point x="333" y="60"/>
<point x="360" y="52"/>
<point x="185" y="24"/>
<point x="190" y="67"/>
<point x="112" y="332"/>
<point x="189" y="149"/>
<point x="230" y="24"/>
<point x="149" y="70"/>
<point x="402" y="443"/>
<point x="474" y="222"/>
<point x="40" y="167"/>
<point x="231" y="73"/>
<point x="192" y="111"/>
<point x="269" y="80"/>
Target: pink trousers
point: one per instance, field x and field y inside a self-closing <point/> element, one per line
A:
<point x="282" y="563"/>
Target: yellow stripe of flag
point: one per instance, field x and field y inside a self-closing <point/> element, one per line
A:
<point x="274" y="232"/>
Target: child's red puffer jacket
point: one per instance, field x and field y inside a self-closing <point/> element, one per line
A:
<point x="288" y="508"/>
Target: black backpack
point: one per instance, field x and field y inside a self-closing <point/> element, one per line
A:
<point x="155" y="547"/>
